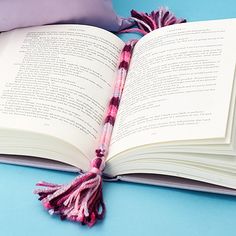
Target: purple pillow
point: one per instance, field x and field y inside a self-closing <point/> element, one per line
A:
<point x="23" y="13"/>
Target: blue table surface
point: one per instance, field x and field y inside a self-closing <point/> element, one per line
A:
<point x="132" y="209"/>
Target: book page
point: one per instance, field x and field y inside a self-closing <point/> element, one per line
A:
<point x="179" y="86"/>
<point x="57" y="80"/>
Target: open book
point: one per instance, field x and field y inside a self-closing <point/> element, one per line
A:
<point x="175" y="125"/>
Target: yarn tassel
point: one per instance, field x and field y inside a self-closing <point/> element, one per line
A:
<point x="82" y="199"/>
<point x="145" y="23"/>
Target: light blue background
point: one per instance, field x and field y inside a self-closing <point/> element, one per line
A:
<point x="132" y="209"/>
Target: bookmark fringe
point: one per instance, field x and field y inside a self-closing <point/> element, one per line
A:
<point x="145" y="23"/>
<point x="79" y="201"/>
<point x="82" y="199"/>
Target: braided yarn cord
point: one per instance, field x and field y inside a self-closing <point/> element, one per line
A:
<point x="82" y="199"/>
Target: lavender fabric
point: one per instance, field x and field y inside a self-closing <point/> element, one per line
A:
<point x="23" y="13"/>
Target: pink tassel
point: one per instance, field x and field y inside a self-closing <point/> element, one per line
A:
<point x="145" y="23"/>
<point x="79" y="201"/>
<point x="82" y="200"/>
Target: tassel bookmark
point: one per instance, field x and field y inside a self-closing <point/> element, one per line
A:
<point x="82" y="199"/>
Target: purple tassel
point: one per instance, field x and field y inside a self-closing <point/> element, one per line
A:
<point x="145" y="23"/>
<point x="79" y="201"/>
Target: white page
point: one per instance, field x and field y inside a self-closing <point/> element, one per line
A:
<point x="178" y="86"/>
<point x="57" y="80"/>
